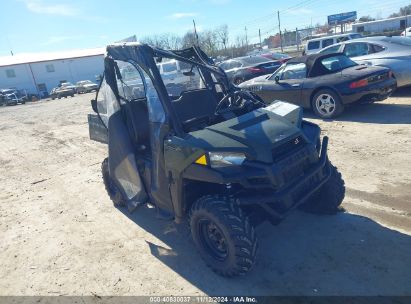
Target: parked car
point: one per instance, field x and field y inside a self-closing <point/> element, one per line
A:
<point x="317" y="44"/>
<point x="67" y="85"/>
<point x="243" y="68"/>
<point x="324" y="83"/>
<point x="277" y="56"/>
<point x="62" y="91"/>
<point x="86" y="86"/>
<point x="12" y="97"/>
<point x="177" y="76"/>
<point x="5" y="100"/>
<point x="406" y="32"/>
<point x="391" y="52"/>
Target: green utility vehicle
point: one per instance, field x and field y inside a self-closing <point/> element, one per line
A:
<point x="204" y="150"/>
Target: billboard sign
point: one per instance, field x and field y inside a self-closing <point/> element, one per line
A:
<point x="342" y="18"/>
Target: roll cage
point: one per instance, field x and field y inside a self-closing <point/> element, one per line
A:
<point x="143" y="57"/>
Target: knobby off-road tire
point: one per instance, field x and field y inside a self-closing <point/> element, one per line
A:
<point x="328" y="198"/>
<point x="223" y="235"/>
<point x="112" y="190"/>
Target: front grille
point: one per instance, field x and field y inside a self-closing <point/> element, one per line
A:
<point x="293" y="172"/>
<point x="295" y="158"/>
<point x="289" y="147"/>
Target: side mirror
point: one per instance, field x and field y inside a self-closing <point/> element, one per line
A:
<point x="94" y="105"/>
<point x="277" y="79"/>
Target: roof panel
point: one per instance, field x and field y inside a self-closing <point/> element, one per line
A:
<point x="40" y="57"/>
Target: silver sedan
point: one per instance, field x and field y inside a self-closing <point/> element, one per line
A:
<point x="392" y="52"/>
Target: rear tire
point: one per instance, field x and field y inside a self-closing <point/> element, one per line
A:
<point x="112" y="190"/>
<point x="327" y="104"/>
<point x="328" y="198"/>
<point x="223" y="235"/>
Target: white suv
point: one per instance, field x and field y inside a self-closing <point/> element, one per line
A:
<point x="406" y="32"/>
<point x="172" y="71"/>
<point x="317" y="44"/>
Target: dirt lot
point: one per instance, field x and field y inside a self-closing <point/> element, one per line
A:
<point x="60" y="234"/>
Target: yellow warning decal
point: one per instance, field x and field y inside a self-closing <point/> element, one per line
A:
<point x="202" y="160"/>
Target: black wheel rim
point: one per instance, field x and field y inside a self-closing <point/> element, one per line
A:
<point x="213" y="239"/>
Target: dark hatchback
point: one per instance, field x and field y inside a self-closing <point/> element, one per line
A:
<point x="241" y="69"/>
<point x="324" y="83"/>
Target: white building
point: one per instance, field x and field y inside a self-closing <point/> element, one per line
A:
<point x="39" y="73"/>
<point x="384" y="25"/>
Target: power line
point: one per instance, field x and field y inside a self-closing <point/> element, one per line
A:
<point x="298" y="5"/>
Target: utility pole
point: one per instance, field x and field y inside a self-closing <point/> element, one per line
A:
<point x="296" y="39"/>
<point x="246" y="38"/>
<point x="259" y="34"/>
<point x="279" y="31"/>
<point x="195" y="31"/>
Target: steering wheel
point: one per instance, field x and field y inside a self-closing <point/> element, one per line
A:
<point x="230" y="102"/>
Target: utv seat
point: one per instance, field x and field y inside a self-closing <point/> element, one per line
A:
<point x="194" y="103"/>
<point x="136" y="116"/>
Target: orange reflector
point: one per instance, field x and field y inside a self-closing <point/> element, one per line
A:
<point x="202" y="160"/>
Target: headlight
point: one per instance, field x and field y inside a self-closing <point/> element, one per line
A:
<point x="224" y="159"/>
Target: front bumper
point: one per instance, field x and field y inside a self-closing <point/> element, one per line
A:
<point x="374" y="92"/>
<point x="277" y="187"/>
<point x="279" y="203"/>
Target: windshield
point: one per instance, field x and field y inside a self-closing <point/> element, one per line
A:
<point x="5" y="92"/>
<point x="169" y="67"/>
<point x="254" y="60"/>
<point x="178" y="81"/>
<point x="398" y="40"/>
<point x="331" y="49"/>
<point x="279" y="56"/>
<point x="337" y="63"/>
<point x="290" y="71"/>
<point x="66" y="84"/>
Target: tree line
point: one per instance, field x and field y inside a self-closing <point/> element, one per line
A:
<point x="215" y="42"/>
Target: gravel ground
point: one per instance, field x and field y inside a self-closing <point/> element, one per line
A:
<point x="60" y="234"/>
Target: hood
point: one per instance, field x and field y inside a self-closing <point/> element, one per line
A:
<point x="255" y="80"/>
<point x="256" y="134"/>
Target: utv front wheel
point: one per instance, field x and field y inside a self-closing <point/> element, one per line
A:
<point x="328" y="198"/>
<point x="223" y="235"/>
<point x="112" y="190"/>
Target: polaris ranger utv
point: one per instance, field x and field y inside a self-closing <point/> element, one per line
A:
<point x="206" y="150"/>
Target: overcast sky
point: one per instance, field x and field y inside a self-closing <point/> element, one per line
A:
<point x="52" y="25"/>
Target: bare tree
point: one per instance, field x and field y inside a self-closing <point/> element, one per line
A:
<point x="164" y="41"/>
<point x="188" y="40"/>
<point x="222" y="35"/>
